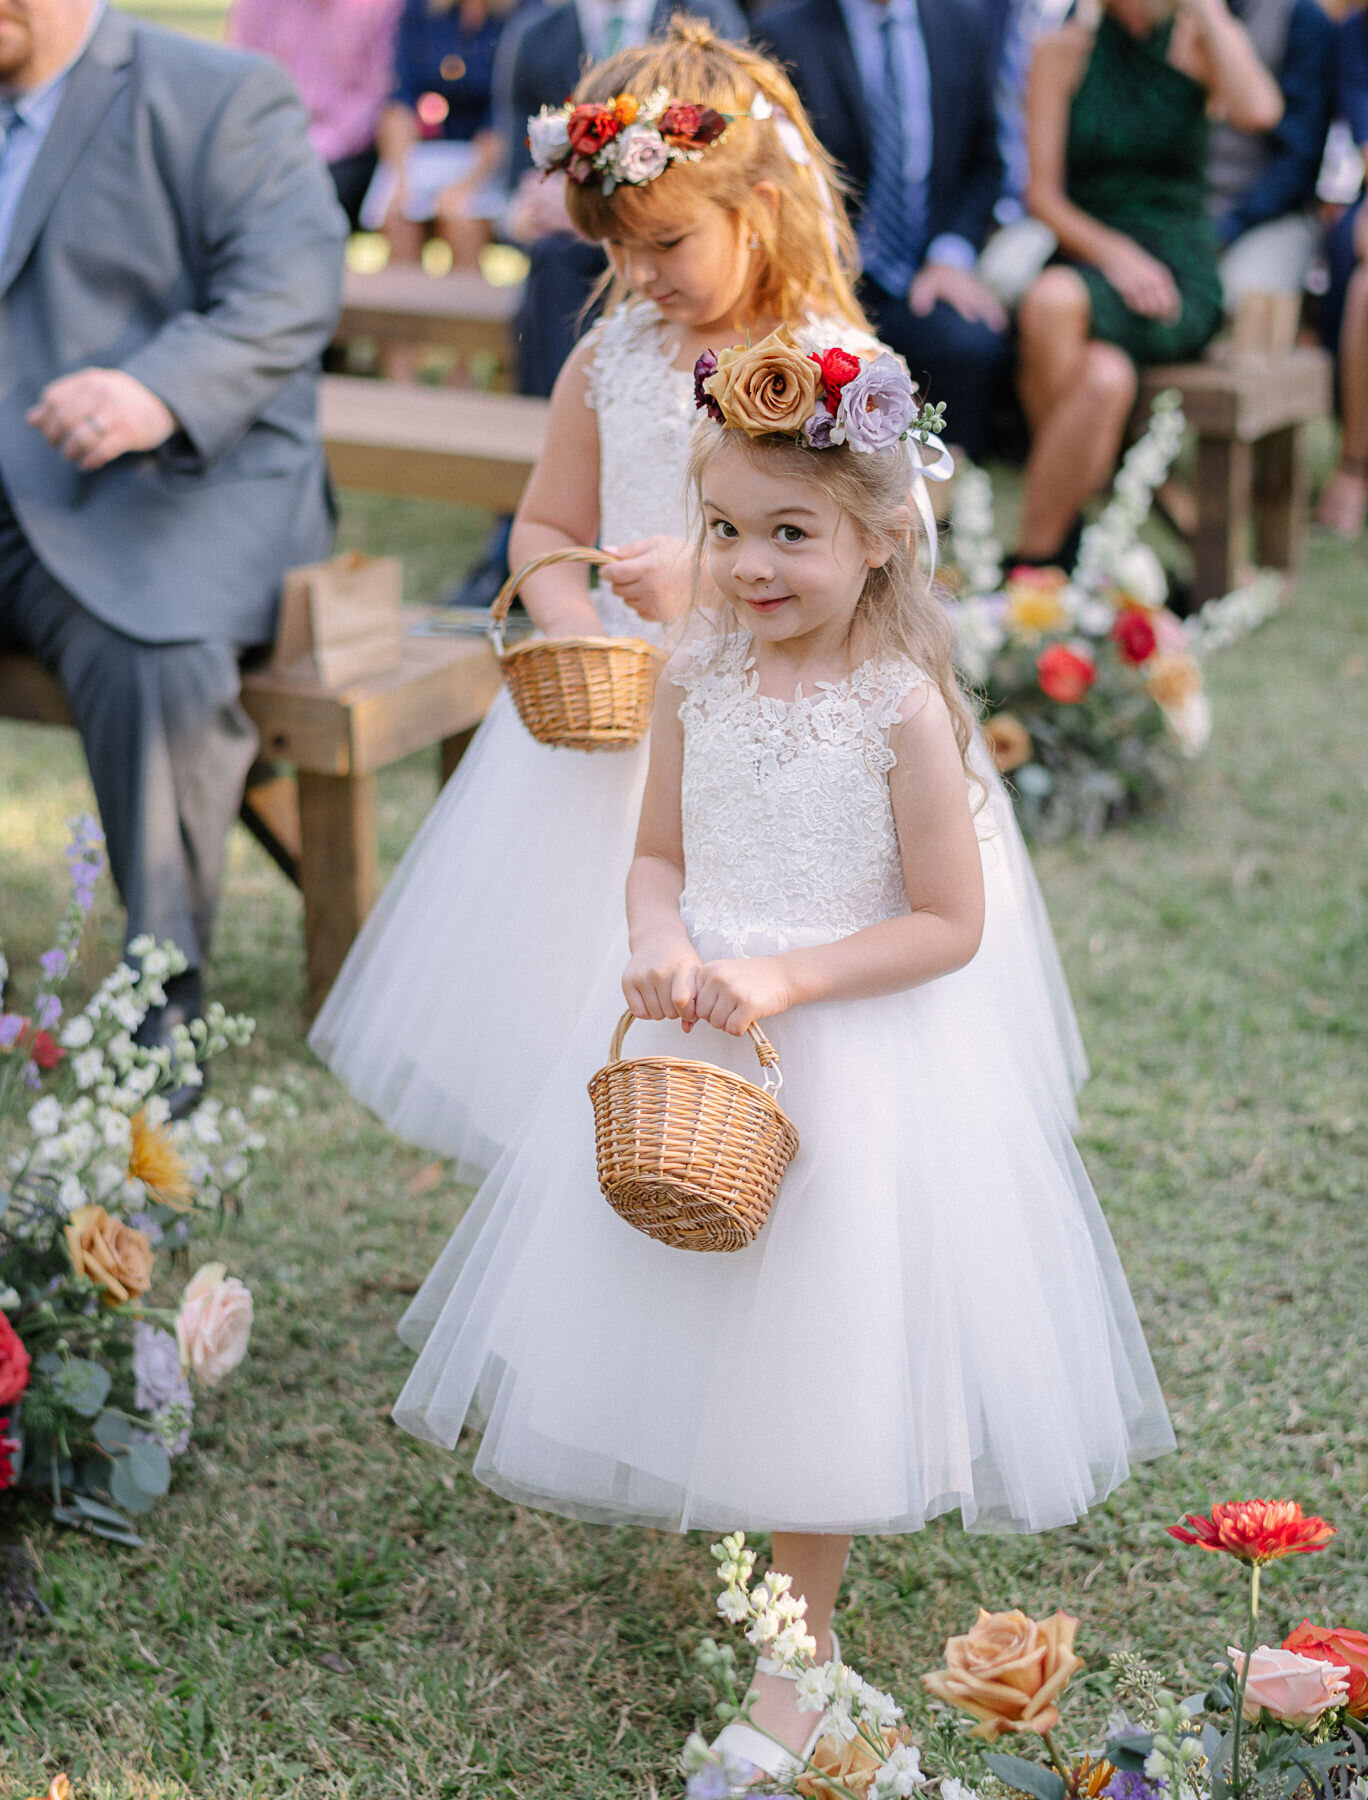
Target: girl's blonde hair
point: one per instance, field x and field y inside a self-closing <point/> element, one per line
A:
<point x="805" y="258"/>
<point x="897" y="614"/>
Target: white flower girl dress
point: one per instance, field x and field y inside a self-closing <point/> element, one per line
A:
<point x="506" y="912"/>
<point x="933" y="1316"/>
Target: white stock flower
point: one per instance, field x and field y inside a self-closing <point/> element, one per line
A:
<point x="127" y="1012"/>
<point x="103" y="1179"/>
<point x="87" y="1067"/>
<point x="1190" y="723"/>
<point x="9" y="1299"/>
<point x="733" y="1605"/>
<point x="1138" y="572"/>
<point x="115" y="1130"/>
<point x="877" y="1707"/>
<point x="259" y="1096"/>
<point x="205" y="1125"/>
<point x="1094" y="618"/>
<point x="45" y="1118"/>
<point x="78" y="1031"/>
<point x="548" y="136"/>
<point x="71" y="1194"/>
<point x="841" y="1723"/>
<point x="952" y="1788"/>
<point x="813" y="1688"/>
<point x="901" y="1775"/>
<point x="141" y="945"/>
<point x="156" y="965"/>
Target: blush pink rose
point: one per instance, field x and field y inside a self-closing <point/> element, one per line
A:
<point x="214" y="1324"/>
<point x="1295" y="1689"/>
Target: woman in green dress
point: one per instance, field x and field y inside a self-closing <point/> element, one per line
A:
<point x="1117" y="111"/>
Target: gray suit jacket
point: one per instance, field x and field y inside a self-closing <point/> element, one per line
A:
<point x="176" y="225"/>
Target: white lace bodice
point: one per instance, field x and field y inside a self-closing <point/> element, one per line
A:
<point x="788" y="821"/>
<point x="646" y="414"/>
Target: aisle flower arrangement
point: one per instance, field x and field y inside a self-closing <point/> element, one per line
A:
<point x="1092" y="687"/>
<point x="99" y="1191"/>
<point x="1277" y="1721"/>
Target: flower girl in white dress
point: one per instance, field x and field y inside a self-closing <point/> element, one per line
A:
<point x="506" y="912"/>
<point x="934" y="1315"/>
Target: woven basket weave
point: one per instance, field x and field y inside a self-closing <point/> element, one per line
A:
<point x="687" y="1152"/>
<point x="579" y="693"/>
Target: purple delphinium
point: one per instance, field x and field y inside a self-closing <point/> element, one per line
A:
<point x="54" y="964"/>
<point x="710" y="1783"/>
<point x="877" y="405"/>
<point x="704" y="369"/>
<point x="47" y="1009"/>
<point x="148" y="1226"/>
<point x="1129" y="1784"/>
<point x="11" y="1025"/>
<point x="85" y="854"/>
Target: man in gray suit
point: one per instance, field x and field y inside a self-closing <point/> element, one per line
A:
<point x="170" y="270"/>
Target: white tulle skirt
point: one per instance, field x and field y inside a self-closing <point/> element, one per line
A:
<point x="505" y="919"/>
<point x="934" y="1316"/>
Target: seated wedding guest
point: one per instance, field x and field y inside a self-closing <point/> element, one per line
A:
<point x="1344" y="501"/>
<point x="439" y="153"/>
<point x="341" y="56"/>
<point x="901" y="95"/>
<point x="1263" y="186"/>
<point x="171" y="252"/>
<point x="1117" y="126"/>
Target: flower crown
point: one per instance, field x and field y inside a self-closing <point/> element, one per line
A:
<point x="819" y="398"/>
<point x="626" y="141"/>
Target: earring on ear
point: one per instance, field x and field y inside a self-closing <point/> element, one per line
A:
<point x="754" y="241"/>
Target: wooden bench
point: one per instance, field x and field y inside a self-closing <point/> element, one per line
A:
<point x="431" y="443"/>
<point x="459" y="311"/>
<point x="1249" y="402"/>
<point x="323" y="834"/>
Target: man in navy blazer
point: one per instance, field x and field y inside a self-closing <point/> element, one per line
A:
<point x="170" y="271"/>
<point x="912" y="80"/>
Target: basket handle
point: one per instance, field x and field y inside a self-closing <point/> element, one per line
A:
<point x="771" y="1078"/>
<point x="508" y="593"/>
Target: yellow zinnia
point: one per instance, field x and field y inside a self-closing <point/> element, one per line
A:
<point x="155" y="1161"/>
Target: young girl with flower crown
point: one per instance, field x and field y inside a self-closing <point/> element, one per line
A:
<point x="692" y="161"/>
<point x="933" y="1315"/>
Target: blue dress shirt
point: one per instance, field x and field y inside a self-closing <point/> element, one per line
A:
<point x="35" y="110"/>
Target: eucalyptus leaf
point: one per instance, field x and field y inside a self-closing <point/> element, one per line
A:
<point x="82" y="1385"/>
<point x="1029" y="1777"/>
<point x="96" y="1510"/>
<point x="65" y="1515"/>
<point x="113" y="1432"/>
<point x="1129" y="1750"/>
<point x="128" y="1537"/>
<point x="125" y="1490"/>
<point x="151" y="1468"/>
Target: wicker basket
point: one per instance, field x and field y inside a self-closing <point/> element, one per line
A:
<point x="580" y="693"/>
<point x="687" y="1152"/>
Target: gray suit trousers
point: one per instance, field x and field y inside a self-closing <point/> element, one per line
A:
<point x="166" y="740"/>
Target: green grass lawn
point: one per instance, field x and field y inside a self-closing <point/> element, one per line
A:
<point x="327" y="1608"/>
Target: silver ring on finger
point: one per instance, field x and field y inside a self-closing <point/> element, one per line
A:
<point x="94" y="425"/>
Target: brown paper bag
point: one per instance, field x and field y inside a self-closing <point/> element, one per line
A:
<point x="341" y="619"/>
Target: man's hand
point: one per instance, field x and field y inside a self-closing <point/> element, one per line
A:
<point x="98" y="414"/>
<point x="960" y="288"/>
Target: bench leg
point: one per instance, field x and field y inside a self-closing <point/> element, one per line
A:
<point x="1223" y="500"/>
<point x="1280" y="497"/>
<point x="453" y="749"/>
<point x="338" y="870"/>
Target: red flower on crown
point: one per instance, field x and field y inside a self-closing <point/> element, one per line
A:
<point x="591" y="126"/>
<point x="680" y="122"/>
<point x="1256" y="1531"/>
<point x="838" y="367"/>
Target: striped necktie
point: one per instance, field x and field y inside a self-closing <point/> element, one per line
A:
<point x="614" y="32"/>
<point x="890" y="231"/>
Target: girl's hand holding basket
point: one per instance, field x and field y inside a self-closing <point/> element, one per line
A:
<point x="652" y="576"/>
<point x="660" y="980"/>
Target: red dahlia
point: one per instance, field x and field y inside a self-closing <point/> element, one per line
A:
<point x="591" y="126"/>
<point x="1256" y="1531"/>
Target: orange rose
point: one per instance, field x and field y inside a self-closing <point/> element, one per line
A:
<point x="1009" y="742"/>
<point x="1008" y="1672"/>
<point x="1172" y="678"/>
<point x="771" y="387"/>
<point x="111" y="1254"/>
<point x="1336" y="1644"/>
<point x="852" y="1766"/>
<point x="60" y="1790"/>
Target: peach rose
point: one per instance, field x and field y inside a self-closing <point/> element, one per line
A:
<point x="113" y="1255"/>
<point x="1009" y="742"/>
<point x="1172" y="678"/>
<point x="1295" y="1689"/>
<point x="769" y="387"/>
<point x="851" y="1766"/>
<point x="1008" y="1671"/>
<point x="214" y="1324"/>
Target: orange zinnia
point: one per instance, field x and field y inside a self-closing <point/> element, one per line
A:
<point x="1256" y="1531"/>
<point x="155" y="1161"/>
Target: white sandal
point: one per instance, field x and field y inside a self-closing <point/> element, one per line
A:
<point x="753" y="1746"/>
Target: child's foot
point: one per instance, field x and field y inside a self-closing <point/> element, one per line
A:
<point x="1344" y="500"/>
